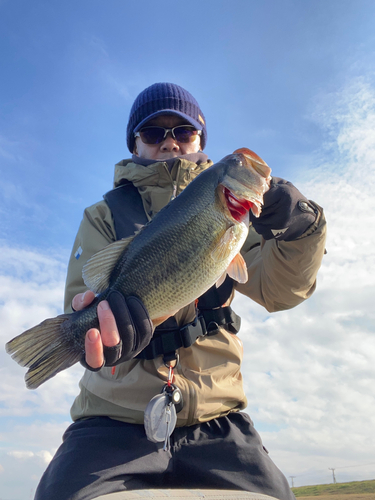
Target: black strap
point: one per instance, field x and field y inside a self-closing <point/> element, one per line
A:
<point x="166" y="342"/>
<point x="222" y="316"/>
<point x="127" y="209"/>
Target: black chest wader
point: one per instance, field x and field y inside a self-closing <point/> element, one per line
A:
<point x="129" y="216"/>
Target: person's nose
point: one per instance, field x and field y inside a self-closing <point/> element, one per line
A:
<point x="169" y="144"/>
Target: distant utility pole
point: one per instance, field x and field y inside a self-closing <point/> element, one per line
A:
<point x="333" y="474"/>
<point x="292" y="477"/>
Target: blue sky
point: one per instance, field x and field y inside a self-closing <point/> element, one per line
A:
<point x="292" y="80"/>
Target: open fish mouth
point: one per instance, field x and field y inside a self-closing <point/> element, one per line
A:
<point x="238" y="208"/>
<point x="246" y="180"/>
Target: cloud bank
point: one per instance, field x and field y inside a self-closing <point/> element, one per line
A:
<point x="309" y="371"/>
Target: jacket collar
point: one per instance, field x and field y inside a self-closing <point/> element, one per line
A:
<point x="193" y="157"/>
<point x="157" y="182"/>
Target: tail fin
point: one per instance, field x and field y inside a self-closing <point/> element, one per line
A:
<point x="44" y="349"/>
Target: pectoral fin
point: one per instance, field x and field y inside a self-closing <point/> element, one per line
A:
<point x="225" y="245"/>
<point x="237" y="269"/>
<point x="97" y="271"/>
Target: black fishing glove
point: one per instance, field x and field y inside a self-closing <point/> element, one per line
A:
<point x="134" y="326"/>
<point x="286" y="213"/>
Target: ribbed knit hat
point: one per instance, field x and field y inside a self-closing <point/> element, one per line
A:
<point x="164" y="99"/>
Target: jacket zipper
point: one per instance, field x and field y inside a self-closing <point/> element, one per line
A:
<point x="174" y="190"/>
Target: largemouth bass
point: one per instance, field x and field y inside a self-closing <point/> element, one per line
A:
<point x="190" y="245"/>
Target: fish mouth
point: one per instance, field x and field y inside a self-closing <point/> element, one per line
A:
<point x="249" y="177"/>
<point x="238" y="207"/>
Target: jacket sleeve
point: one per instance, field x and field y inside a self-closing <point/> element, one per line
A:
<point x="95" y="232"/>
<point x="282" y="274"/>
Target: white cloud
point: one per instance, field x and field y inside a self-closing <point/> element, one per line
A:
<point x="309" y="372"/>
<point x="31" y="290"/>
<point x="21" y="455"/>
<point x="37" y="439"/>
<point x="22" y="469"/>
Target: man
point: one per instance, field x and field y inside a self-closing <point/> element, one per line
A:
<point x="214" y="444"/>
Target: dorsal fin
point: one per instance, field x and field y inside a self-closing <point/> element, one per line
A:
<point x="97" y="271"/>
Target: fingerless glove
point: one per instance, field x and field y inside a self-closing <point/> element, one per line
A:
<point x="134" y="326"/>
<point x="286" y="213"/>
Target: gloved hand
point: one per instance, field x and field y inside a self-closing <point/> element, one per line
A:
<point x="134" y="326"/>
<point x="286" y="213"/>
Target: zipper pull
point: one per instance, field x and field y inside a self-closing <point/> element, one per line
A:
<point x="174" y="190"/>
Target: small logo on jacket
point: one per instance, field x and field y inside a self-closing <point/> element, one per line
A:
<point x="78" y="253"/>
<point x="278" y="232"/>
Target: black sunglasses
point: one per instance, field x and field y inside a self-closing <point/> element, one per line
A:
<point x="156" y="135"/>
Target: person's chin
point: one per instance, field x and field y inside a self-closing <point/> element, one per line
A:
<point x="167" y="156"/>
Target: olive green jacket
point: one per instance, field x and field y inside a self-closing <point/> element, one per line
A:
<point x="281" y="275"/>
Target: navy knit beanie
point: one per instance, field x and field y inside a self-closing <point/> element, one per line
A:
<point x="164" y="99"/>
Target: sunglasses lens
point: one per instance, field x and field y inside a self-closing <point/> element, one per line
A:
<point x="185" y="134"/>
<point x="152" y="135"/>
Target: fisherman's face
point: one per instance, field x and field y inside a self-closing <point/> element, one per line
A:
<point x="169" y="148"/>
